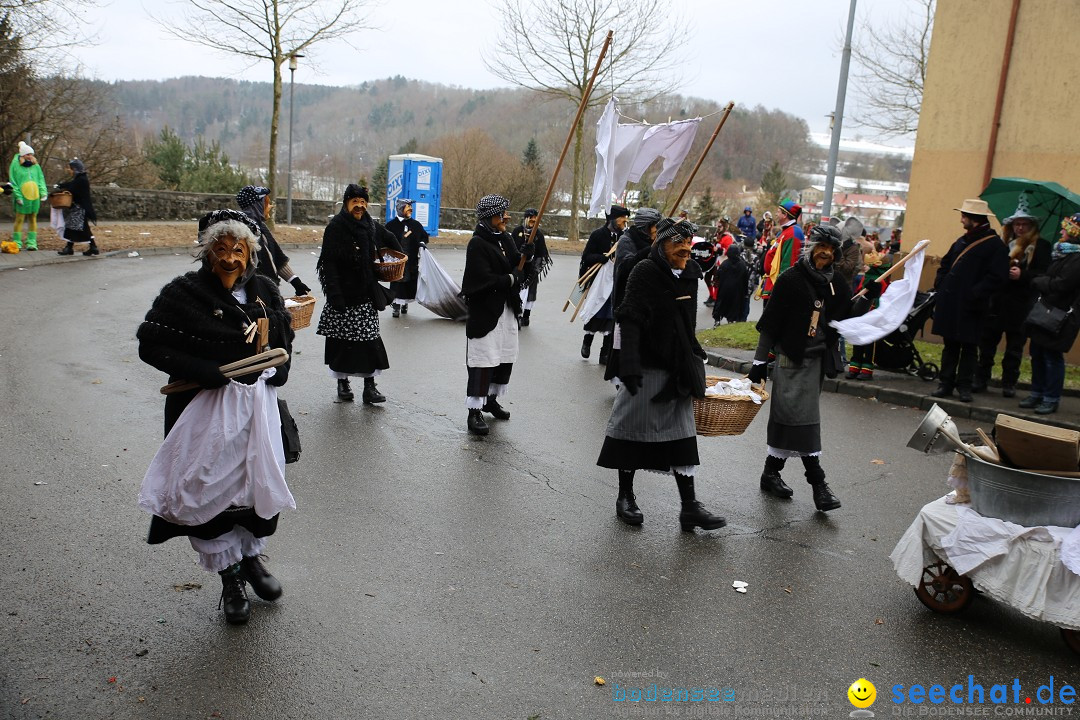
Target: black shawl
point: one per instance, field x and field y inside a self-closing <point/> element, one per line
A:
<point x="195" y="325"/>
<point x="656" y="321"/>
<point x="346" y="265"/>
<point x="488" y="284"/>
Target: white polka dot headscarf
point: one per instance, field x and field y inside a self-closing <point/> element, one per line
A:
<point x="251" y="195"/>
<point x="490" y="206"/>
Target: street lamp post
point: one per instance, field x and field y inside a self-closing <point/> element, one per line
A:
<point x="838" y="118"/>
<point x="288" y="195"/>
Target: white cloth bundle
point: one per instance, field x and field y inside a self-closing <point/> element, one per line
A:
<point x="437" y="291"/>
<point x="224" y="450"/>
<point x="599" y="292"/>
<point x="893" y="307"/>
<point x="741" y="387"/>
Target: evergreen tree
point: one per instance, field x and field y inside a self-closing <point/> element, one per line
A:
<point x="379" y="178"/>
<point x="706" y="208"/>
<point x="773" y="185"/>
<point x="167" y="154"/>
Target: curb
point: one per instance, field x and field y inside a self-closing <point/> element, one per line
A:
<point x="867" y="390"/>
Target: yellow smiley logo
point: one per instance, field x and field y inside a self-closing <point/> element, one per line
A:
<point x="862" y="693"/>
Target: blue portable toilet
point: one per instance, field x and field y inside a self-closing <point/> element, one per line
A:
<point x="418" y="177"/>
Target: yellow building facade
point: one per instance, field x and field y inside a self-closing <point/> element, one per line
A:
<point x="1039" y="126"/>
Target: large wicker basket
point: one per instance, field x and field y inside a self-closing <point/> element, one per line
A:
<point x="60" y="199"/>
<point x="394" y="270"/>
<point x="302" y="311"/>
<point x="725" y="415"/>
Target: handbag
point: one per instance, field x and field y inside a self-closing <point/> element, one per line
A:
<point x="290" y="433"/>
<point x="1046" y="318"/>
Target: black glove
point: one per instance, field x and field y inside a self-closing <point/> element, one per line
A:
<point x="299" y="286"/>
<point x="280" y="377"/>
<point x="632" y="383"/>
<point x="519" y="277"/>
<point x="528" y="251"/>
<point x="213" y="380"/>
<point x="758" y="373"/>
<point x="873" y="289"/>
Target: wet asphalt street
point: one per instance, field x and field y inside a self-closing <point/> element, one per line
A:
<point x="431" y="574"/>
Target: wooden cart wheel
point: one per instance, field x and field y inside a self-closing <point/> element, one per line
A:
<point x="1072" y="639"/>
<point x="943" y="590"/>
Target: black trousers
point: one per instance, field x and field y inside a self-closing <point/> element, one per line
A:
<point x="1015" y="341"/>
<point x="958" y="361"/>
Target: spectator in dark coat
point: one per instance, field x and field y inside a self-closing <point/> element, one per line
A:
<point x="1058" y="288"/>
<point x="730" y="280"/>
<point x="1029" y="256"/>
<point x="976" y="265"/>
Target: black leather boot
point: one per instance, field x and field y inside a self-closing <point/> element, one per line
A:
<point x="605" y="349"/>
<point x="344" y="390"/>
<point x="397" y="310"/>
<point x="586" y="346"/>
<point x="476" y="423"/>
<point x="824" y="500"/>
<point x="525" y="318"/>
<point x="693" y="513"/>
<point x="92" y="250"/>
<point x="371" y="395"/>
<point x="404" y="308"/>
<point x="943" y="391"/>
<point x="626" y="508"/>
<point x="68" y="249"/>
<point x="234" y="600"/>
<point x="771" y="482"/>
<point x="262" y="582"/>
<point x="497" y="411"/>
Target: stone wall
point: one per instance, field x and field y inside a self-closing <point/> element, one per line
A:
<point x="135" y="205"/>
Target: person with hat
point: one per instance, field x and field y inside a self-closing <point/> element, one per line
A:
<point x="350" y="317"/>
<point x="256" y="203"/>
<point x="537" y="268"/>
<point x="412" y="236"/>
<point x="28" y="184"/>
<point x="491" y="286"/>
<point x="795" y="326"/>
<point x="598" y="250"/>
<point x="660" y="371"/>
<point x="77" y="217"/>
<point x="224" y="491"/>
<point x="787" y="248"/>
<point x="1029" y="256"/>
<point x="747" y="224"/>
<point x="971" y="272"/>
<point x="1057" y="288"/>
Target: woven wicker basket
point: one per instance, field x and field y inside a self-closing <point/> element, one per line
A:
<point x="394" y="270"/>
<point x="725" y="415"/>
<point x="60" y="199"/>
<point x="301" y="316"/>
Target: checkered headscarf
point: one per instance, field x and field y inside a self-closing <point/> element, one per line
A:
<point x="251" y="195"/>
<point x="490" y="206"/>
<point x="646" y="217"/>
<point x="669" y="228"/>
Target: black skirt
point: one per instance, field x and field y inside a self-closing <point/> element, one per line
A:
<point x="635" y="455"/>
<point x="356" y="356"/>
<point x="162" y="530"/>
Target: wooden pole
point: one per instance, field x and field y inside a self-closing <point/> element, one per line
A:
<point x="919" y="247"/>
<point x="723" y="119"/>
<point x="569" y="136"/>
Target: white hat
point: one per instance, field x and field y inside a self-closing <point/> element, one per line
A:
<point x="25" y="149"/>
<point x="1023" y="211"/>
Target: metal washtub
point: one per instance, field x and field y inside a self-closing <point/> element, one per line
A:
<point x="1026" y="498"/>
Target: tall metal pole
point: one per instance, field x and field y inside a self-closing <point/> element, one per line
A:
<point x="838" y="117"/>
<point x="288" y="196"/>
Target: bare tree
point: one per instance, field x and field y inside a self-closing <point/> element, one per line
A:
<point x="473" y="166"/>
<point x="274" y="30"/>
<point x="46" y="25"/>
<point x="551" y="46"/>
<point x="891" y="72"/>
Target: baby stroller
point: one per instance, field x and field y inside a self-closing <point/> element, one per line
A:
<point x="897" y="352"/>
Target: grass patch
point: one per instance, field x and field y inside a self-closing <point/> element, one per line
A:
<point x="744" y="336"/>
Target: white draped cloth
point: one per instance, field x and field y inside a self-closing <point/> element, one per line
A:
<point x="599" y="292"/>
<point x="893" y="307"/>
<point x="624" y="151"/>
<point x="437" y="291"/>
<point x="1033" y="570"/>
<point x="225" y="450"/>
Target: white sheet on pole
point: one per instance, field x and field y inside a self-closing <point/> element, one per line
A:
<point x="599" y="292"/>
<point x="437" y="291"/>
<point x="892" y="309"/>
<point x="606" y="130"/>
<point x="670" y="141"/>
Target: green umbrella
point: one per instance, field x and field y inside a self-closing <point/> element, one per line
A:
<point x="1048" y="201"/>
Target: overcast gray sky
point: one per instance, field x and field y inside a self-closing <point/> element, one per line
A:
<point x="778" y="53"/>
